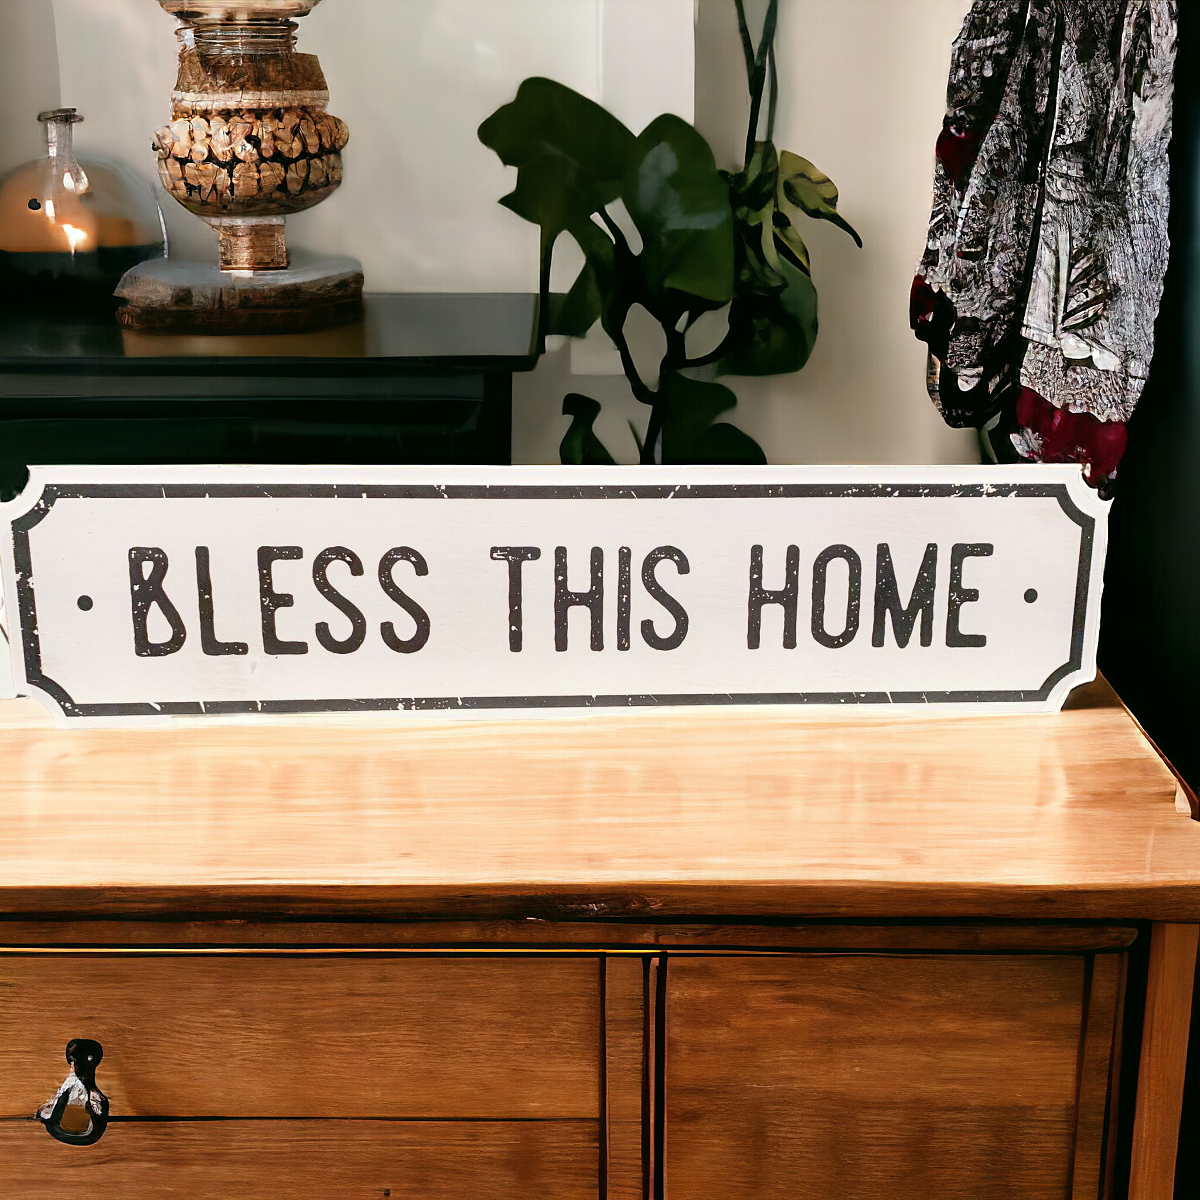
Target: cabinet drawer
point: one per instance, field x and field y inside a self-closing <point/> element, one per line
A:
<point x="304" y="1035"/>
<point x="873" y="1077"/>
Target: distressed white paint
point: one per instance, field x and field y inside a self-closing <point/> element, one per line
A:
<point x="80" y="547"/>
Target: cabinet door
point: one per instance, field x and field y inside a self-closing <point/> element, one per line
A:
<point x="950" y="1077"/>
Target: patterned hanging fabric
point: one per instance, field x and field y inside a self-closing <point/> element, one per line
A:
<point x="1047" y="245"/>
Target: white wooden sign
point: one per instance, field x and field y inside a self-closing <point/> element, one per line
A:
<point x="135" y="593"/>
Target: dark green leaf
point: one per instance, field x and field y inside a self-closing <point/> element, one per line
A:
<point x="680" y="205"/>
<point x="802" y="187"/>
<point x="570" y="154"/>
<point x="759" y="269"/>
<point x="576" y="312"/>
<point x="791" y="242"/>
<point x="688" y="432"/>
<point x="771" y="333"/>
<point x="615" y="275"/>
<point x="754" y="188"/>
<point x="580" y="445"/>
<point x="727" y="445"/>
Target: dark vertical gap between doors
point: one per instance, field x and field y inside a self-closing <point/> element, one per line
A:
<point x="603" y="1188"/>
<point x="646" y="1071"/>
<point x="660" y="1077"/>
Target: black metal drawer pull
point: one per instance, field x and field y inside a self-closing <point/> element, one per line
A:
<point x="79" y="1100"/>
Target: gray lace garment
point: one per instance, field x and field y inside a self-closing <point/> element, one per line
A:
<point x="1047" y="244"/>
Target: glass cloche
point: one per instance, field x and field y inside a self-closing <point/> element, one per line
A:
<point x="70" y="230"/>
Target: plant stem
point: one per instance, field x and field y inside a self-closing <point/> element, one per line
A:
<point x="756" y="83"/>
<point x="676" y="355"/>
<point x="747" y="44"/>
<point x="774" y="92"/>
<point x="615" y="230"/>
<point x="637" y="386"/>
<point x="768" y="34"/>
<point x="653" y="432"/>
<point x="757" y="71"/>
<point x="641" y="392"/>
<point x="544" y="293"/>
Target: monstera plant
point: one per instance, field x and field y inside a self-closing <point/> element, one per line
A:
<point x="710" y="240"/>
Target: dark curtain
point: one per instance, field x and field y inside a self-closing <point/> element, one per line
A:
<point x="1150" y="632"/>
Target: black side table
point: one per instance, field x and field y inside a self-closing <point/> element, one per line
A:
<point x="421" y="379"/>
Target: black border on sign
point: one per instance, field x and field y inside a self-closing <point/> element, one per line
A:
<point x="32" y="649"/>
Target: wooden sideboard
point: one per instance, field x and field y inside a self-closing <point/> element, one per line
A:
<point x="693" y="955"/>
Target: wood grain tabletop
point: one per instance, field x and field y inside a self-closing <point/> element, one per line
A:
<point x="644" y="814"/>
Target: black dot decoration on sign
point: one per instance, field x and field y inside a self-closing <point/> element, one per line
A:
<point x="1030" y="595"/>
<point x="85" y="603"/>
<point x="35" y="204"/>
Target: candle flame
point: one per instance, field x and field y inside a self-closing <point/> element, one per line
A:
<point x="75" y="236"/>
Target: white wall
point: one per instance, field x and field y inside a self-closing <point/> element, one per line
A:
<point x="28" y="78"/>
<point x="862" y="95"/>
<point x="413" y="79"/>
